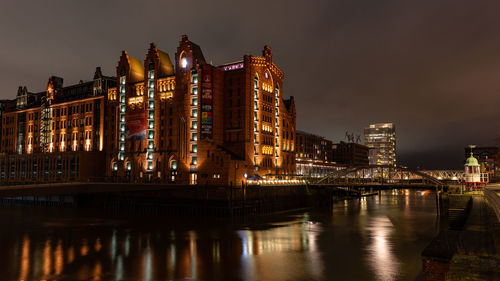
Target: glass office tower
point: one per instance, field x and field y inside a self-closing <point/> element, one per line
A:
<point x="381" y="140"/>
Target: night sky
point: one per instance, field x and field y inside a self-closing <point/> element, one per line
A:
<point x="432" y="67"/>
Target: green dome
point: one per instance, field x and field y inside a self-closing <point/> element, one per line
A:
<point x="471" y="161"/>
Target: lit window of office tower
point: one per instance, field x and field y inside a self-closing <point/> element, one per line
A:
<point x="381" y="140"/>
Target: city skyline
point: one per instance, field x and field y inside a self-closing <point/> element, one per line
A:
<point x="437" y="88"/>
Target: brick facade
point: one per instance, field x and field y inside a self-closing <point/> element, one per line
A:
<point x="172" y="120"/>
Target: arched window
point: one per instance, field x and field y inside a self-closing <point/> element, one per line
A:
<point x="173" y="165"/>
<point x="183" y="60"/>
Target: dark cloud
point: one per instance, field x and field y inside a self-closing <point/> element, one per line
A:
<point x="432" y="67"/>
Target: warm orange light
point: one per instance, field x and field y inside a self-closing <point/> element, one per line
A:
<point x="268" y="150"/>
<point x="25" y="258"/>
<point x="58" y="258"/>
<point x="47" y="259"/>
<point x="135" y="100"/>
<point x="166" y="95"/>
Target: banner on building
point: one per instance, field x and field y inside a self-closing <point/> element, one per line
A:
<point x="136" y="128"/>
<point x="206" y="103"/>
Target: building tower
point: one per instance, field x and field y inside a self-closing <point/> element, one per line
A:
<point x="473" y="178"/>
<point x="381" y="141"/>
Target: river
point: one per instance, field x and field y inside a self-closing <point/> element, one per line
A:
<point x="374" y="238"/>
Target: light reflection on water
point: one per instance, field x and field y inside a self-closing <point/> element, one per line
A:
<point x="374" y="238"/>
<point x="381" y="257"/>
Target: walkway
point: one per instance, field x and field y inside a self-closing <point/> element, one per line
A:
<point x="492" y="193"/>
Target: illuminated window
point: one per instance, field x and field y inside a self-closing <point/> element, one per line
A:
<point x="193" y="178"/>
<point x="195" y="113"/>
<point x="184" y="62"/>
<point x="195" y="136"/>
<point x="194" y="148"/>
<point x="194" y="124"/>
<point x="194" y="161"/>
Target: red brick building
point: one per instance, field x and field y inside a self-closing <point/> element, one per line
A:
<point x="314" y="155"/>
<point x="350" y="154"/>
<point x="57" y="134"/>
<point x="187" y="121"/>
<point x="161" y="119"/>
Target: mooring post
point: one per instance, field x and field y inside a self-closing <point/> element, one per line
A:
<point x="437" y="201"/>
<point x="243" y="195"/>
<point x="231" y="195"/>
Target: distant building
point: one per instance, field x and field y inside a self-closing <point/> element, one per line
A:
<point x="487" y="157"/>
<point x="381" y="140"/>
<point x="314" y="155"/>
<point x="350" y="154"/>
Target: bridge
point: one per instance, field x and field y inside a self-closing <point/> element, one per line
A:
<point x="388" y="176"/>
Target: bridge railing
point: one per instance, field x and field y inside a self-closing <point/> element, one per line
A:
<point x="389" y="174"/>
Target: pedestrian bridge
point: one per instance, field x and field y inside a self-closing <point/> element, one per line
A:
<point x="388" y="175"/>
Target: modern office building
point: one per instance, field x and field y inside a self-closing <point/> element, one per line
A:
<point x="314" y="156"/>
<point x="179" y="120"/>
<point x="350" y="154"/>
<point x="381" y="141"/>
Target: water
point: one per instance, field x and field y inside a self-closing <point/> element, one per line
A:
<point x="376" y="238"/>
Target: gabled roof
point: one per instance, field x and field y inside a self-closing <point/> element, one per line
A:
<point x="197" y="53"/>
<point x="166" y="66"/>
<point x="136" y="69"/>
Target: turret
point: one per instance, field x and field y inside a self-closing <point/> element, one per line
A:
<point x="473" y="178"/>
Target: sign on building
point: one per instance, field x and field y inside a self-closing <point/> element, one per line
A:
<point x="207" y="103"/>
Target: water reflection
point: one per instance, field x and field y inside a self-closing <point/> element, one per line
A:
<point x="47" y="261"/>
<point x="25" y="258"/>
<point x="359" y="240"/>
<point x="381" y="257"/>
<point x="58" y="258"/>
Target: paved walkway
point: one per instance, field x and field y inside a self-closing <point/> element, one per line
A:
<point x="492" y="193"/>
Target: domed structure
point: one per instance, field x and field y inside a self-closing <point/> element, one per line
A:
<point x="474" y="179"/>
<point x="471" y="161"/>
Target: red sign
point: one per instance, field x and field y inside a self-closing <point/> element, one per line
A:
<point x="136" y="125"/>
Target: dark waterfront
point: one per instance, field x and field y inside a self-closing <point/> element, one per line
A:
<point x="375" y="238"/>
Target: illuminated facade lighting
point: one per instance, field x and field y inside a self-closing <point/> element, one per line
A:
<point x="151" y="113"/>
<point x="381" y="141"/>
<point x="121" y="142"/>
<point x="176" y="120"/>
